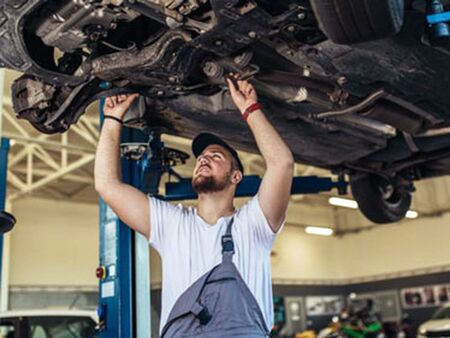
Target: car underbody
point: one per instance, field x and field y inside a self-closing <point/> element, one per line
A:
<point x="378" y="107"/>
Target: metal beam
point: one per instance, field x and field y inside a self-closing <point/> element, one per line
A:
<point x="13" y="120"/>
<point x="83" y="132"/>
<point x="92" y="127"/>
<point x="64" y="154"/>
<point x="45" y="172"/>
<point x="16" y="181"/>
<point x="56" y="175"/>
<point x="30" y="167"/>
<point x="44" y="156"/>
<point x="50" y="144"/>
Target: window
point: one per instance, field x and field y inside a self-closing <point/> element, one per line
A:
<point x="442" y="313"/>
<point x="7" y="329"/>
<point x="386" y="304"/>
<point x="61" y="327"/>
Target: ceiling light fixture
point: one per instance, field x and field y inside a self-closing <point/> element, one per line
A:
<point x="322" y="231"/>
<point x="412" y="214"/>
<point x="352" y="204"/>
<point x="343" y="202"/>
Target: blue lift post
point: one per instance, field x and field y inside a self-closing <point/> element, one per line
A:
<point x="124" y="290"/>
<point x="4" y="148"/>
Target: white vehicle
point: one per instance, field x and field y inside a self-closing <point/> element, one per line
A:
<point x="47" y="324"/>
<point x="438" y="325"/>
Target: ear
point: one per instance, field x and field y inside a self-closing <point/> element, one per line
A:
<point x="236" y="177"/>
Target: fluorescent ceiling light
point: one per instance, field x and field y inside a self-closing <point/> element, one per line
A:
<point x="412" y="214"/>
<point x="322" y="231"/>
<point x="343" y="202"/>
<point x="348" y="203"/>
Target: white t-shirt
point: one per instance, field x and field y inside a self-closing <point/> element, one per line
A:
<point x="189" y="247"/>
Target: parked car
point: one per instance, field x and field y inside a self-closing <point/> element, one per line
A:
<point x="47" y="324"/>
<point x="438" y="325"/>
<point x="354" y="86"/>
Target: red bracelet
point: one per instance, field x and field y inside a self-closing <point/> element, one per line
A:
<point x="250" y="109"/>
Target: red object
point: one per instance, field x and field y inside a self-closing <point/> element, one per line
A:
<point x="250" y="109"/>
<point x="101" y="272"/>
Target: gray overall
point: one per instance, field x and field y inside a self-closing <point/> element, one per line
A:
<point x="219" y="304"/>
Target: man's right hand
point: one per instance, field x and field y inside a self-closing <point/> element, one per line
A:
<point x="118" y="105"/>
<point x="128" y="202"/>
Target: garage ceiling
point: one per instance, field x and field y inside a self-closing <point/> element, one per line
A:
<point x="61" y="167"/>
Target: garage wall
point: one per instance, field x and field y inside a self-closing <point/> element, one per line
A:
<point x="54" y="243"/>
<point x="300" y="258"/>
<point x="54" y="236"/>
<point x="388" y="251"/>
<point x="156" y="273"/>
<point x="410" y="245"/>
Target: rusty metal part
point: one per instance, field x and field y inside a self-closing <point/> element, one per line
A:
<point x="353" y="109"/>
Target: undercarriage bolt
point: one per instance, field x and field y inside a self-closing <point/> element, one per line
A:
<point x="172" y="79"/>
<point x="229" y="4"/>
<point x="160" y="93"/>
<point x="252" y="34"/>
<point x="212" y="69"/>
<point x="302" y="95"/>
<point x="341" y="80"/>
<point x="306" y="71"/>
<point x="291" y="28"/>
<point x="218" y="43"/>
<point x="301" y="16"/>
<point x="172" y="23"/>
<point x="243" y="59"/>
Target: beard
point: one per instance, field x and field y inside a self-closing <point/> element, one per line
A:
<point x="210" y="184"/>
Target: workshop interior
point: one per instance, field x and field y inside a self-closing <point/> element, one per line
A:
<point x="358" y="89"/>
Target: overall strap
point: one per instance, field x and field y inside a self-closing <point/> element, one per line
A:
<point x="227" y="242"/>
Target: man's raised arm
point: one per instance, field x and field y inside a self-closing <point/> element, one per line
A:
<point x="129" y="203"/>
<point x="274" y="192"/>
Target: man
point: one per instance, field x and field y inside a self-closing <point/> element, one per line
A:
<point x="189" y="239"/>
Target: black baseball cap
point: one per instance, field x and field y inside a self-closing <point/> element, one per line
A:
<point x="203" y="140"/>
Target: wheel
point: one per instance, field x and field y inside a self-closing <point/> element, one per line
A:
<point x="379" y="200"/>
<point x="351" y="21"/>
<point x="34" y="100"/>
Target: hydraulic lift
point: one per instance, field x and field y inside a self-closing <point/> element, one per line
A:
<point x="124" y="288"/>
<point x="6" y="220"/>
<point x="438" y="23"/>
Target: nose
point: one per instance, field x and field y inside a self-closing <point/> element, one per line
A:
<point x="203" y="159"/>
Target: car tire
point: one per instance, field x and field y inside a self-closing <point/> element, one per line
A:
<point x="352" y="21"/>
<point x="379" y="200"/>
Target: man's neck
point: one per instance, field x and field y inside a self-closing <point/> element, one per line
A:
<point x="212" y="206"/>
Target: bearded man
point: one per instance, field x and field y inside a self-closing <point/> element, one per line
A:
<point x="212" y="244"/>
